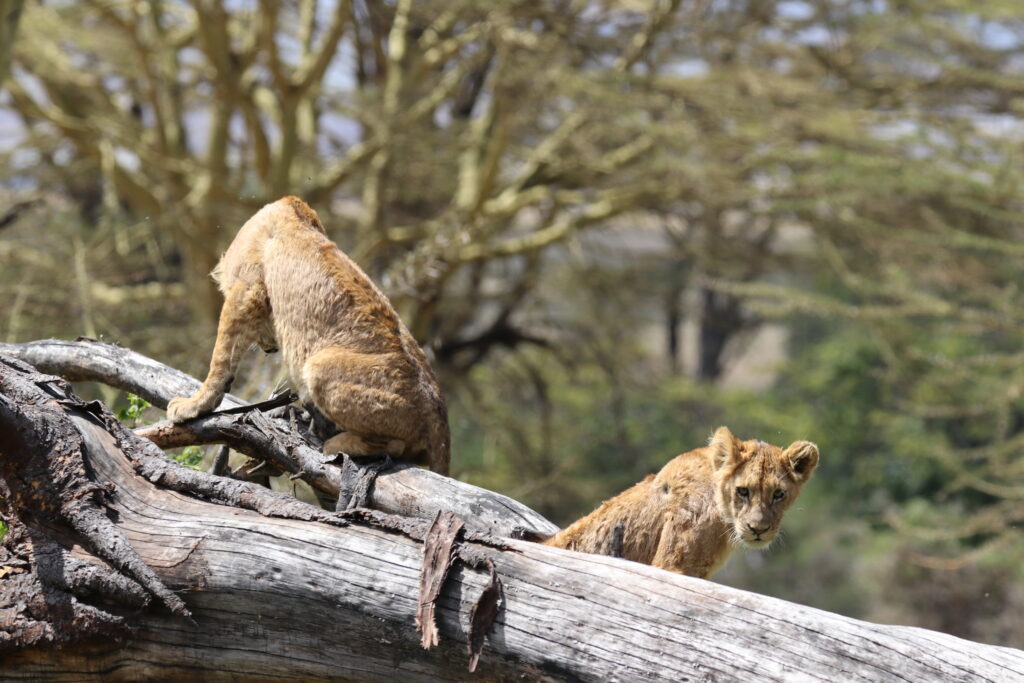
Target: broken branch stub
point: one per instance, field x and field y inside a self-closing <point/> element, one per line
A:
<point x="483" y="615"/>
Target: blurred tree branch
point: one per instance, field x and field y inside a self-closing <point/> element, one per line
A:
<point x="10" y="14"/>
<point x="264" y="111"/>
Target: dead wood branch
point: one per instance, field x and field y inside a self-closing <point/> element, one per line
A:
<point x="284" y="441"/>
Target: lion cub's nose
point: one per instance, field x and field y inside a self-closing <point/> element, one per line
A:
<point x="757" y="531"/>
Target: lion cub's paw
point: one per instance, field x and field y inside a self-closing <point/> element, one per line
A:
<point x="181" y="409"/>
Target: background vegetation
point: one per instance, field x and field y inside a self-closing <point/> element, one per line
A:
<point x="617" y="225"/>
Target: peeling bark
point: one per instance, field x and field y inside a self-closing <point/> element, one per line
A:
<point x="483" y="615"/>
<point x="438" y="552"/>
<point x="51" y="484"/>
<point x="40" y="591"/>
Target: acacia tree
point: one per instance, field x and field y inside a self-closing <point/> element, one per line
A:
<point x="912" y="187"/>
<point x="455" y="143"/>
<point x="457" y="128"/>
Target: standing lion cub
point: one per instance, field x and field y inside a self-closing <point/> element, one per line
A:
<point x="349" y="357"/>
<point x="689" y="516"/>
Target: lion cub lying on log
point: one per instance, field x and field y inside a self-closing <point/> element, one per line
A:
<point x="348" y="355"/>
<point x="688" y="517"/>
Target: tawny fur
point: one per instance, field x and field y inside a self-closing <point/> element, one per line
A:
<point x="689" y="517"/>
<point x="287" y="286"/>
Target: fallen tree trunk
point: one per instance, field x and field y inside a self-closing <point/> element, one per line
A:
<point x="278" y="589"/>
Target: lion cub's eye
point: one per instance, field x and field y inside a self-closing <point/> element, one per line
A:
<point x="743" y="492"/>
<point x="778" y="495"/>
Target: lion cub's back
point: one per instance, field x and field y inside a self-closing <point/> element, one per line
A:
<point x="319" y="294"/>
<point x="638" y="509"/>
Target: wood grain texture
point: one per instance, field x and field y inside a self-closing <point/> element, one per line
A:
<point x="275" y="598"/>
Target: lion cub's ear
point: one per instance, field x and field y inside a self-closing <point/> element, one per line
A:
<point x="725" y="448"/>
<point x="802" y="457"/>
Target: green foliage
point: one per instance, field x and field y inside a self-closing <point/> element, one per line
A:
<point x="190" y="456"/>
<point x="131" y="414"/>
<point x="3" y="530"/>
<point x="132" y="411"/>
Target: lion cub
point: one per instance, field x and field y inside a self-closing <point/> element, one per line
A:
<point x="689" y="516"/>
<point x="348" y="355"/>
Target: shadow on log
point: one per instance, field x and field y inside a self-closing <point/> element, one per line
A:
<point x="278" y="589"/>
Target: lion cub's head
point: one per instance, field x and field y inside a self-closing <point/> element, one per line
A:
<point x="755" y="482"/>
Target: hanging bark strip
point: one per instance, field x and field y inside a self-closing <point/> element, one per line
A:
<point x="440" y="549"/>
<point x="483" y="614"/>
<point x="438" y="552"/>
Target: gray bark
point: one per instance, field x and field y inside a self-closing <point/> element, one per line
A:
<point x="400" y="489"/>
<point x="277" y="589"/>
<point x="87" y="360"/>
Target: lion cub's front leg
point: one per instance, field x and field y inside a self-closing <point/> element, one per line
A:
<point x="245" y="307"/>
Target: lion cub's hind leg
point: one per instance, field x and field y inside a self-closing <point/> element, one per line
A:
<point x="358" y="392"/>
<point x="319" y="425"/>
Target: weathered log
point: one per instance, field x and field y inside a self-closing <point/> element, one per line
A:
<point x="400" y="489"/>
<point x="297" y="592"/>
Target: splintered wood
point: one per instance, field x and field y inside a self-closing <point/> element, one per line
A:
<point x="438" y="550"/>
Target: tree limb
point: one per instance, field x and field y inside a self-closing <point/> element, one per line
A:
<point x="88" y="360"/>
<point x="10" y="14"/>
<point x="284" y="442"/>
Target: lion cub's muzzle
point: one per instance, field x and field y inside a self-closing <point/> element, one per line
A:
<point x="756" y="537"/>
